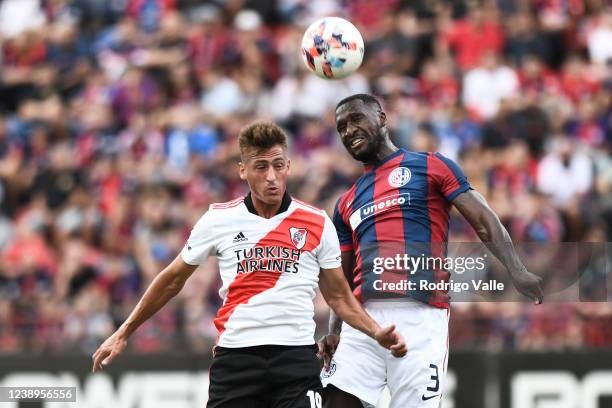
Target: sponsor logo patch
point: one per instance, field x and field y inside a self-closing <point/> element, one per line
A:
<point x="240" y="237"/>
<point x="377" y="207"/>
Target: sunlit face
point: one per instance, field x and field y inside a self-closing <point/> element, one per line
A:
<point x="266" y="172"/>
<point x="360" y="126"/>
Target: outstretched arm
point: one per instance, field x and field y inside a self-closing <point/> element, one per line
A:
<point x="167" y="284"/>
<point x="338" y="295"/>
<point x="328" y="343"/>
<point x="348" y="264"/>
<point x="473" y="206"/>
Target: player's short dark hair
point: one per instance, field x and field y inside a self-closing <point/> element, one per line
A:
<point x="261" y="135"/>
<point x="366" y="98"/>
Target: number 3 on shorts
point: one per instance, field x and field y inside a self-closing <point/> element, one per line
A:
<point x="315" y="399"/>
<point x="434" y="378"/>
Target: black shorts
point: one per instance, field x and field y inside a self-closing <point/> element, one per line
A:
<point x="265" y="377"/>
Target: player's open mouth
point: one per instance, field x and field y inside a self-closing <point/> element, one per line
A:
<point x="357" y="142"/>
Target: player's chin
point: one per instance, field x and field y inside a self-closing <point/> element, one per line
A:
<point x="355" y="152"/>
<point x="272" y="196"/>
<point x="363" y="154"/>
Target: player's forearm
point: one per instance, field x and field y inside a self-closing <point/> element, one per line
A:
<point x="348" y="263"/>
<point x="495" y="236"/>
<point x="163" y="288"/>
<point x="335" y="323"/>
<point x="348" y="309"/>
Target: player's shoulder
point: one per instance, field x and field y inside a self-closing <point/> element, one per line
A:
<point x="431" y="158"/>
<point x="438" y="159"/>
<point x="228" y="205"/>
<point x="438" y="155"/>
<point x="220" y="216"/>
<point x="410" y="154"/>
<point x="308" y="207"/>
<point x="221" y="213"/>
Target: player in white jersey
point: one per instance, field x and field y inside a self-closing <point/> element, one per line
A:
<point x="273" y="252"/>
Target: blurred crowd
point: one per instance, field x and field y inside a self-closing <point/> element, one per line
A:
<point x="118" y="127"/>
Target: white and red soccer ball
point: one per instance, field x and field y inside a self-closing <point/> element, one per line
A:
<point x="332" y="48"/>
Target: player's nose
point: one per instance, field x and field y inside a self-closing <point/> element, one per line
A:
<point x="349" y="133"/>
<point x="270" y="174"/>
<point x="351" y="129"/>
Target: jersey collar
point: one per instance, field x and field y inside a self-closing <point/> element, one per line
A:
<point x="248" y="201"/>
<point x="369" y="167"/>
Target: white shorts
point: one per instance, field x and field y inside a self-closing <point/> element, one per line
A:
<point x="363" y="368"/>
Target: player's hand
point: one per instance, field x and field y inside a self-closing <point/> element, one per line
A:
<point x="111" y="348"/>
<point x="529" y="285"/>
<point x="391" y="339"/>
<point x="327" y="347"/>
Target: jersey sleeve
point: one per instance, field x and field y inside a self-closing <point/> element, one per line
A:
<point x="345" y="236"/>
<point x="201" y="241"/>
<point x="328" y="254"/>
<point x="447" y="176"/>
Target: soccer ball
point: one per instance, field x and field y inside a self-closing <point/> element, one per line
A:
<point x="332" y="48"/>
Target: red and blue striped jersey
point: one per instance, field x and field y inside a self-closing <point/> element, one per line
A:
<point x="399" y="206"/>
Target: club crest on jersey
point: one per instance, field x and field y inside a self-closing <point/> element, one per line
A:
<point x="330" y="372"/>
<point x="399" y="177"/>
<point x="298" y="236"/>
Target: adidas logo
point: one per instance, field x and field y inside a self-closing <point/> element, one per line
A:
<point x="240" y="237"/>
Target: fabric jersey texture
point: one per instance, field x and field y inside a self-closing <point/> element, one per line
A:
<point x="269" y="269"/>
<point x="400" y="206"/>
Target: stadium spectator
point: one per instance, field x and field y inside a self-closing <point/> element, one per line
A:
<point x="471" y="38"/>
<point x="488" y="85"/>
<point x="118" y="125"/>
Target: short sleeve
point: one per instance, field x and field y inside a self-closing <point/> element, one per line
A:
<point x="201" y="241"/>
<point x="345" y="236"/>
<point x="447" y="176"/>
<point x="328" y="254"/>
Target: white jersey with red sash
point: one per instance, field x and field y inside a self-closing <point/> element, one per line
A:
<point x="269" y="269"/>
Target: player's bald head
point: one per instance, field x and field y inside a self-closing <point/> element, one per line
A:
<point x="367" y="99"/>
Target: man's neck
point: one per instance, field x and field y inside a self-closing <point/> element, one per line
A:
<point x="264" y="210"/>
<point x="385" y="151"/>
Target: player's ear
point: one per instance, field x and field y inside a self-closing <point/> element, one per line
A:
<point x="288" y="167"/>
<point x="242" y="170"/>
<point x="382" y="117"/>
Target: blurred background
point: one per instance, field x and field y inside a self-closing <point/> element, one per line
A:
<point x="118" y="127"/>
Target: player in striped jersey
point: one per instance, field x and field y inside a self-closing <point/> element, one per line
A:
<point x="273" y="252"/>
<point x="400" y="206"/>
